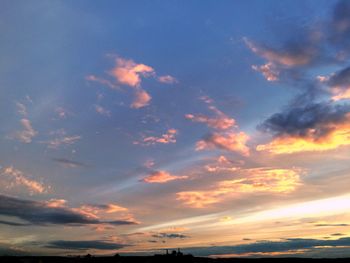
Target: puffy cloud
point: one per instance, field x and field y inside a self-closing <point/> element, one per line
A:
<point x="142" y="99"/>
<point x="162" y="177"/>
<point x="15" y="177"/>
<point x="263" y="180"/>
<point x="27" y="134"/>
<point x="167" y="79"/>
<point x="47" y="213"/>
<point x="229" y="141"/>
<point x="314" y="127"/>
<point x="84" y="245"/>
<point x="129" y="73"/>
<point x="168" y="137"/>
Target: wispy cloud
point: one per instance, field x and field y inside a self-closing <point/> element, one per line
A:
<point x="166" y="138"/>
<point x="16" y="178"/>
<point x="162" y="177"/>
<point x="28" y="133"/>
<point x="268" y="180"/>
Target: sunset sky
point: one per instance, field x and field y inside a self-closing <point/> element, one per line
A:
<point x="219" y="127"/>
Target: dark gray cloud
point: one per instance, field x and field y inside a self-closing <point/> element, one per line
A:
<point x="69" y="163"/>
<point x="325" y="225"/>
<point x="339" y="26"/>
<point x="40" y="213"/>
<point x="315" y="120"/>
<point x="269" y="246"/>
<point x="340" y="78"/>
<point x="169" y="235"/>
<point x="84" y="245"/>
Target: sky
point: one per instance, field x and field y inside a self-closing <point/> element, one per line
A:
<point x="218" y="127"/>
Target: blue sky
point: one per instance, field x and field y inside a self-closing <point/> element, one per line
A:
<point x="134" y="126"/>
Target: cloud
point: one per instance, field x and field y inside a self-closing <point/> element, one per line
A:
<point x="167" y="79"/>
<point x="339" y="25"/>
<point x="43" y="213"/>
<point x="169" y="235"/>
<point x="21" y="109"/>
<point x="269" y="71"/>
<point x="339" y="84"/>
<point x="69" y="163"/>
<point x="27" y="134"/>
<point x="61" y="139"/>
<point x="314" y="127"/>
<point x="162" y="177"/>
<point x="102" y="81"/>
<point x="269" y="247"/>
<point x="129" y="73"/>
<point x="142" y="99"/>
<point x="16" y="178"/>
<point x="84" y="245"/>
<point x="168" y="137"/>
<point x="291" y="55"/>
<point x="61" y="112"/>
<point x="229" y="141"/>
<point x="101" y="110"/>
<point x="258" y="180"/>
<point x="221" y="122"/>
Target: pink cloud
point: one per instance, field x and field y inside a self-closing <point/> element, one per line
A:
<point x="161" y="177"/>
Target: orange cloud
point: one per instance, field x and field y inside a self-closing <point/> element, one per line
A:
<point x="230" y="141"/>
<point x="17" y="178"/>
<point x="290" y="144"/>
<point x="56" y="203"/>
<point x="161" y="177"/>
<point x="267" y="180"/>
